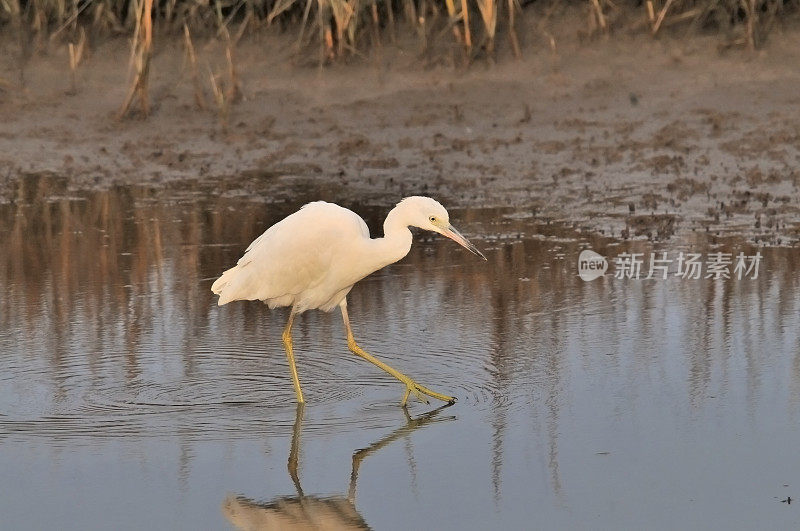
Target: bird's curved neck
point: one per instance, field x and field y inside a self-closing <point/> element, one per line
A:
<point x="396" y="241"/>
<point x="395" y="223"/>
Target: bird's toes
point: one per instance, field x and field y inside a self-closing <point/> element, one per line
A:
<point x="414" y="388"/>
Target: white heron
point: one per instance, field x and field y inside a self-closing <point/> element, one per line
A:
<point x="311" y="259"/>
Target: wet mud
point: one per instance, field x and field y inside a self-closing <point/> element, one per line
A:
<point x="630" y="138"/>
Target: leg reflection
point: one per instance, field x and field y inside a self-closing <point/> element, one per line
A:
<point x="294" y="450"/>
<point x="314" y="512"/>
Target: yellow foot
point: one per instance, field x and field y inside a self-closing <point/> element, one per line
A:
<point x="420" y="391"/>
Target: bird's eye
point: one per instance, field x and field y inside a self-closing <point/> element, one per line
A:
<point x="432" y="219"/>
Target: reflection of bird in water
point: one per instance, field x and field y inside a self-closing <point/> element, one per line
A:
<point x="313" y="512"/>
<point x="312" y="258"/>
<point x="293" y="514"/>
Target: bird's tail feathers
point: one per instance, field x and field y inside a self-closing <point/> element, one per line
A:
<point x="223" y="282"/>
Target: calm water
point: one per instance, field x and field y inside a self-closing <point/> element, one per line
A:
<point x="129" y="400"/>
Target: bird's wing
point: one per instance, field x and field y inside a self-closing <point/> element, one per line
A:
<point x="293" y="255"/>
<point x="343" y="216"/>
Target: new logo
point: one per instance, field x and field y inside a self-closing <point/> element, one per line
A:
<point x="591" y="265"/>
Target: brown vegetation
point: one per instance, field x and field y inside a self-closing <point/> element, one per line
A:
<point x="460" y="31"/>
<point x="350" y="27"/>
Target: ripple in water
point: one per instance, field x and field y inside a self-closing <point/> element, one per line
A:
<point x="114" y="331"/>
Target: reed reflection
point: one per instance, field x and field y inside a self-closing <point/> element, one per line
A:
<point x="108" y="326"/>
<point x="305" y="511"/>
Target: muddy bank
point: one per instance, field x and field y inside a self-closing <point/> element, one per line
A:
<point x="629" y="138"/>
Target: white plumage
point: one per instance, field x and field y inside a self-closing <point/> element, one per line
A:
<point x="308" y="260"/>
<point x="312" y="258"/>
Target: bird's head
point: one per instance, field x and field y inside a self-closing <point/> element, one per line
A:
<point x="429" y="214"/>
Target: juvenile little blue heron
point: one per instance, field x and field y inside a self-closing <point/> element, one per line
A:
<point x="311" y="259"/>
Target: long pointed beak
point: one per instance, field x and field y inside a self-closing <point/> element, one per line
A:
<point x="456" y="236"/>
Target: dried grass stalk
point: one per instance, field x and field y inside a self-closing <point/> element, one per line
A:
<point x="513" y="5"/>
<point x="600" y="17"/>
<point x="141" y="50"/>
<point x="199" y="99"/>
<point x="451" y="13"/>
<point x="751" y="13"/>
<point x="75" y="57"/>
<point x="72" y="66"/>
<point x="465" y="17"/>
<point x="223" y="104"/>
<point x="234" y="93"/>
<point x="661" y="15"/>
<point x="488" y="10"/>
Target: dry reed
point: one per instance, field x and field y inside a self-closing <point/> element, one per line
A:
<point x="140" y="52"/>
<point x="350" y="27"/>
<point x="191" y="57"/>
<point x="342" y="24"/>
<point x="75" y="56"/>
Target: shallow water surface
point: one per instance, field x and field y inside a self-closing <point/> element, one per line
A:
<point x="129" y="400"/>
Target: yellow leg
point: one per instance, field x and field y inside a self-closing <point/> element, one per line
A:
<point x="411" y="385"/>
<point x="287" y="344"/>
